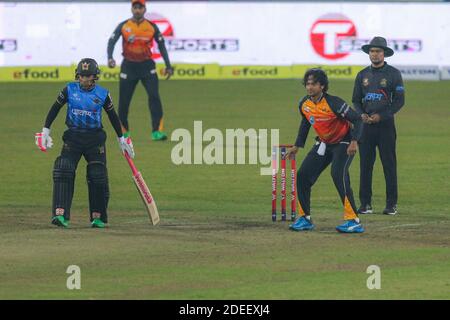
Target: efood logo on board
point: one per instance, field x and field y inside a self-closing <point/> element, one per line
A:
<point x="325" y="34"/>
<point x="248" y="71"/>
<point x="36" y="74"/>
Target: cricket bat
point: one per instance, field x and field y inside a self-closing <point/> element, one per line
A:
<point x="146" y="196"/>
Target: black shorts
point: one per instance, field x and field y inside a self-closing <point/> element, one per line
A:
<point x="138" y="70"/>
<point x="89" y="143"/>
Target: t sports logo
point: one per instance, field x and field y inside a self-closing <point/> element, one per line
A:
<point x="164" y="26"/>
<point x="327" y="30"/>
<point x="187" y="45"/>
<point x="334" y="36"/>
<point x="352" y="44"/>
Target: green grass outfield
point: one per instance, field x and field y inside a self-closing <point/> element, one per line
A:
<point x="216" y="239"/>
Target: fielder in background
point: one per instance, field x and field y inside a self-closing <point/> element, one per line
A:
<point x="336" y="144"/>
<point x="138" y="34"/>
<point x="378" y="94"/>
<point x="84" y="137"/>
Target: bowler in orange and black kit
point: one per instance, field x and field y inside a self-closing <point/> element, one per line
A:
<point x="338" y="129"/>
<point x="138" y="34"/>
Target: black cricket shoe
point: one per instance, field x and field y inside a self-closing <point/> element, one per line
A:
<point x="390" y="210"/>
<point x="365" y="209"/>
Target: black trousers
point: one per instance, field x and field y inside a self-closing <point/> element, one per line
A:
<point x="130" y="74"/>
<point x="90" y="145"/>
<point x="382" y="135"/>
<point x="314" y="164"/>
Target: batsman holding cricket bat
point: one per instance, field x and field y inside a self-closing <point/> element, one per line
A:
<point x="84" y="137"/>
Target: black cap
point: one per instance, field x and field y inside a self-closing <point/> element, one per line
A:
<point x="378" y="42"/>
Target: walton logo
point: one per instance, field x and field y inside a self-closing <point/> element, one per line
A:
<point x="326" y="31"/>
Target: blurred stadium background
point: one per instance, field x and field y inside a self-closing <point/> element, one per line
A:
<point x="221" y="37"/>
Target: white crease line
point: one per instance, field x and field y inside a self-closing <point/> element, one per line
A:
<point x="402" y="225"/>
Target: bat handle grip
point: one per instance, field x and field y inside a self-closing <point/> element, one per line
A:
<point x="131" y="163"/>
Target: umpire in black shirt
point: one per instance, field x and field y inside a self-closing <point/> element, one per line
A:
<point x="378" y="95"/>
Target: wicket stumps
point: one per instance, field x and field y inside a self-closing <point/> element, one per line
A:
<point x="283" y="151"/>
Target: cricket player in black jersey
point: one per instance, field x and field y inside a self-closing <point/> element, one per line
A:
<point x="378" y="95"/>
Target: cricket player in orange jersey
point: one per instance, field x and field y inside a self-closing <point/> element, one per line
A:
<point x="138" y="34"/>
<point x="338" y="128"/>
